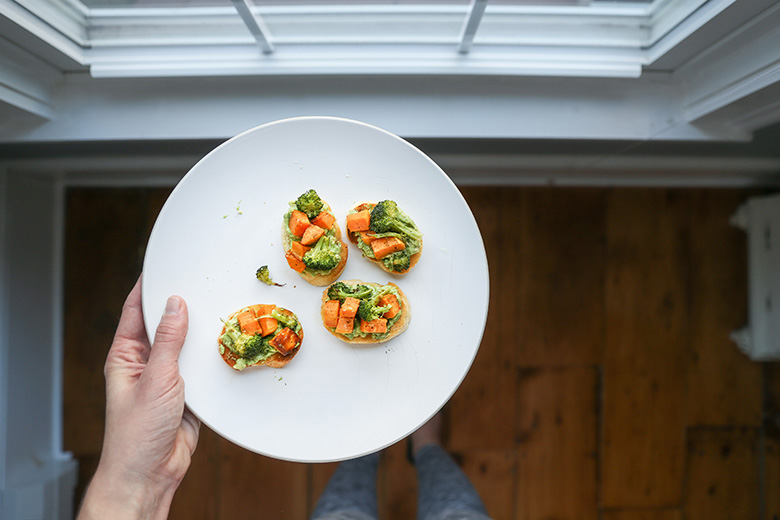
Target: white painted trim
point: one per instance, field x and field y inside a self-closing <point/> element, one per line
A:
<point x="608" y="169"/>
<point x="471" y="25"/>
<point x="31" y="105"/>
<point x="323" y="40"/>
<point x="4" y="306"/>
<point x="58" y="321"/>
<point x="255" y="24"/>
<point x="739" y="89"/>
<point x="64" y="16"/>
<point x="42" y="30"/>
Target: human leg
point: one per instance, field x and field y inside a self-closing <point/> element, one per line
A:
<point x="351" y="492"/>
<point x="445" y="492"/>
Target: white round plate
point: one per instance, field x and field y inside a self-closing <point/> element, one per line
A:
<point x="333" y="401"/>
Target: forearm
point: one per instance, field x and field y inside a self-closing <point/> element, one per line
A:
<point x="120" y="497"/>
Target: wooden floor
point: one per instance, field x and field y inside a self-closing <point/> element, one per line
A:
<point x="606" y="386"/>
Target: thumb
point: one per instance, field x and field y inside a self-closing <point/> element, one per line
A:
<point x="170" y="333"/>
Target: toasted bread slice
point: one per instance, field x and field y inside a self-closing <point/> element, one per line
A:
<point x="276" y="360"/>
<point x="353" y="237"/>
<point x="317" y="279"/>
<point x="397" y="328"/>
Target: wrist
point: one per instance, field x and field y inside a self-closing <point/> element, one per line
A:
<point x="119" y="495"/>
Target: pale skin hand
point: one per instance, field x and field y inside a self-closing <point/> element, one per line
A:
<point x="150" y="436"/>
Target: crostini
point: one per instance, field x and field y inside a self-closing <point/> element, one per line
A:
<point x="311" y="238"/>
<point x="260" y="335"/>
<point x="365" y="312"/>
<point x="385" y="235"/>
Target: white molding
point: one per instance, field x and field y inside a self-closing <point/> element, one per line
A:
<point x="674" y="35"/>
<point x="4" y="309"/>
<point x="42" y="30"/>
<point x="57" y="318"/>
<point x="583" y="41"/>
<point x="67" y="17"/>
<point x="26" y="81"/>
<point x="413" y="107"/>
<point x="611" y="168"/>
<point x="741" y="64"/>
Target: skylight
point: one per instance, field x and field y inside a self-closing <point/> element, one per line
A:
<point x="581" y="38"/>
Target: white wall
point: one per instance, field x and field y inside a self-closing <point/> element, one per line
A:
<point x="36" y="478"/>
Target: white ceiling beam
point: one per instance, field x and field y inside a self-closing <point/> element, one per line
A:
<point x="255" y="24"/>
<point x="471" y="24"/>
<point x="26" y="82"/>
<point x="742" y="64"/>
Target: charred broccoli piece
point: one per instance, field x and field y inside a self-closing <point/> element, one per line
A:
<point x="284" y="320"/>
<point x="398" y="262"/>
<point x="264" y="275"/>
<point x="310" y="203"/>
<point x="340" y="290"/>
<point x="368" y="310"/>
<point x="325" y="255"/>
<point x="387" y="217"/>
<point x="255" y="346"/>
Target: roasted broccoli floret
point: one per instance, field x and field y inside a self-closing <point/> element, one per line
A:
<point x="310" y="203"/>
<point x="254" y="347"/>
<point x="284" y="320"/>
<point x="325" y="255"/>
<point x="368" y="310"/>
<point x="398" y="262"/>
<point x="340" y="290"/>
<point x="387" y="217"/>
<point x="264" y="275"/>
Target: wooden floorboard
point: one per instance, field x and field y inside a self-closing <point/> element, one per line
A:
<point x="606" y="386"/>
<point x="723" y="474"/>
<point x="718" y="372"/>
<point x="558" y="444"/>
<point x="645" y="349"/>
<point x="560" y="314"/>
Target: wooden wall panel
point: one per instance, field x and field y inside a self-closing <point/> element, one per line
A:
<point x="723" y="474"/>
<point x="719" y="372"/>
<point x="557" y="450"/>
<point x="105" y="236"/>
<point x="561" y="292"/>
<point x="643" y="451"/>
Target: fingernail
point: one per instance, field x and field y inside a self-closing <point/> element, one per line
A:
<point x="173" y="306"/>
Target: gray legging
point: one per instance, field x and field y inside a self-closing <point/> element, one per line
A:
<point x="445" y="493"/>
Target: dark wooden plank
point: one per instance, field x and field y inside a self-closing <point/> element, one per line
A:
<point x="719" y="372"/>
<point x="723" y="474"/>
<point x="558" y="444"/>
<point x="771" y="430"/>
<point x="561" y="292"/>
<point x="252" y="486"/>
<point x="493" y="474"/>
<point x="396" y="484"/>
<point x="319" y="475"/>
<point x="645" y="354"/>
<point x="197" y="496"/>
<point x="771" y="471"/>
<point x="488" y="391"/>
<point x="99" y="272"/>
<point x="643" y="514"/>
